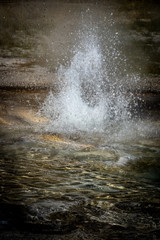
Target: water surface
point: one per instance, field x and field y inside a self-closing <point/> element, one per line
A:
<point x="79" y="120"/>
<point x="85" y="185"/>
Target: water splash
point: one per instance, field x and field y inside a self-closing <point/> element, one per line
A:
<point x="91" y="99"/>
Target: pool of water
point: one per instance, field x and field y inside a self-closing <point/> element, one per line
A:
<point x="79" y="120"/>
<point x="76" y="186"/>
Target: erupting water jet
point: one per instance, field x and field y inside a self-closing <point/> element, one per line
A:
<point x="91" y="99"/>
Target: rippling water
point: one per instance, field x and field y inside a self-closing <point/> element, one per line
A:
<point x="76" y="185"/>
<point x="82" y="159"/>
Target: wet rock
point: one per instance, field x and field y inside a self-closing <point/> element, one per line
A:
<point x="54" y="216"/>
<point x="143" y="216"/>
<point x="44" y="208"/>
<point x="73" y="220"/>
<point x="151" y="208"/>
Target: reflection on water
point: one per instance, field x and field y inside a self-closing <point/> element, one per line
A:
<point x="80" y="161"/>
<point x="40" y="169"/>
<point x="32" y="171"/>
<point x="76" y="184"/>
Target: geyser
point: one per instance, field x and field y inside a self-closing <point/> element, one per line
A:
<point x="91" y="97"/>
